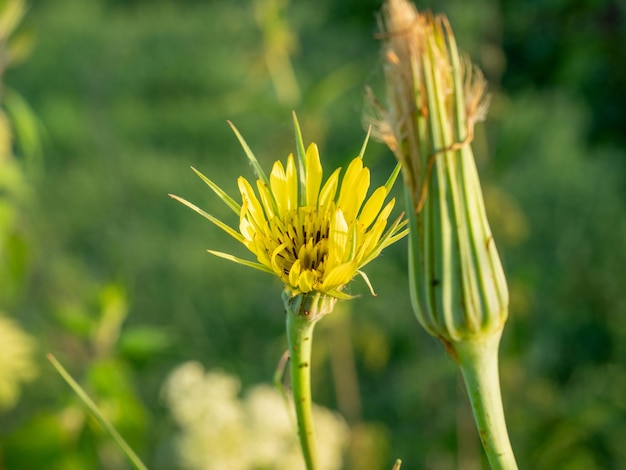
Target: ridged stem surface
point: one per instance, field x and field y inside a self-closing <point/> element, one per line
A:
<point x="478" y="361"/>
<point x="303" y="312"/>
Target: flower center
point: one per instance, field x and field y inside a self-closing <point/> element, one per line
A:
<point x="302" y="235"/>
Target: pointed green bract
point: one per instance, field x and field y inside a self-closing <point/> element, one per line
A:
<point x="392" y="179"/>
<point x="243" y="262"/>
<point x="301" y="158"/>
<point x="367" y="281"/>
<point x="258" y="171"/>
<point x="367" y="138"/>
<point x="230" y="231"/>
<point x="229" y="201"/>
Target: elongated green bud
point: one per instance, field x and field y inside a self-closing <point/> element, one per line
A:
<point x="458" y="288"/>
<point x="435" y="97"/>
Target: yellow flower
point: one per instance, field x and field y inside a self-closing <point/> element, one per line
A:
<point x="315" y="237"/>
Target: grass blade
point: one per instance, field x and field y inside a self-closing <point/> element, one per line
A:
<point x="119" y="440"/>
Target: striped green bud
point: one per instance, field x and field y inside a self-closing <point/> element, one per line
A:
<point x="434" y="98"/>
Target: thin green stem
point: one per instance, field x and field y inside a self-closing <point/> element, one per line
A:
<point x="478" y="360"/>
<point x="300" y="334"/>
<point x="303" y="312"/>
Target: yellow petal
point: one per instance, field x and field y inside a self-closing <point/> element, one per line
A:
<point x="384" y="214"/>
<point x="339" y="276"/>
<point x="278" y="185"/>
<point x="353" y="241"/>
<point x="371" y="240"/>
<point x="254" y="206"/>
<point x="372" y="237"/>
<point x="307" y="278"/>
<point x="354" y="187"/>
<point x="246" y="229"/>
<point x="267" y="200"/>
<point x="350" y="178"/>
<point x="393" y="234"/>
<point x="261" y="251"/>
<point x="294" y="273"/>
<point x="327" y="194"/>
<point x="337" y="240"/>
<point x="292" y="183"/>
<point x="313" y="175"/>
<point x="275" y="266"/>
<point x="372" y="207"/>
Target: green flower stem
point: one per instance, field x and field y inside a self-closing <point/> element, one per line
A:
<point x="478" y="360"/>
<point x="300" y="334"/>
<point x="303" y="312"/>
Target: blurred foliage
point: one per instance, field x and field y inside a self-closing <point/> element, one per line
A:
<point x="17" y="364"/>
<point x="16" y="353"/>
<point x="112" y="276"/>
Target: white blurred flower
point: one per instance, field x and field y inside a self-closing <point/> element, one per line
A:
<point x="207" y="409"/>
<point x="16" y="361"/>
<point x="221" y="430"/>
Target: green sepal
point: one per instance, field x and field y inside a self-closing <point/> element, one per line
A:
<point x="229" y="230"/>
<point x="250" y="264"/>
<point x="229" y="201"/>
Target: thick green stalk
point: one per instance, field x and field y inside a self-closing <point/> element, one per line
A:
<point x="478" y="361"/>
<point x="300" y="335"/>
<point x="303" y="312"/>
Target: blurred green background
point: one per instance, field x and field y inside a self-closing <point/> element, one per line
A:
<point x="97" y="265"/>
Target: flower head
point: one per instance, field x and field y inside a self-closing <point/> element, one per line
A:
<point x="314" y="235"/>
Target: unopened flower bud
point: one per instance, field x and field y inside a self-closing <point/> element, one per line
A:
<point x="434" y="98"/>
